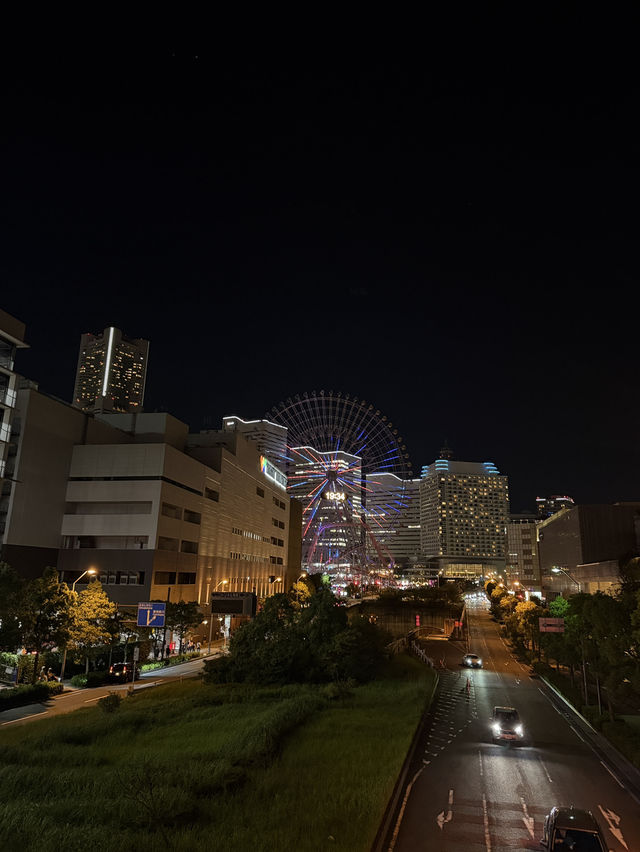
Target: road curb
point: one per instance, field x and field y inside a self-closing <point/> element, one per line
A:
<point x="380" y="843"/>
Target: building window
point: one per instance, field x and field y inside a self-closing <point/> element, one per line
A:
<point x="211" y="494"/>
<point x="189" y="547"/>
<point x="165" y="578"/>
<point x="192" y="517"/>
<point x="165" y="543"/>
<point x="170" y="511"/>
<point x="186" y="578"/>
<point x="259" y="491"/>
<point x="281" y="524"/>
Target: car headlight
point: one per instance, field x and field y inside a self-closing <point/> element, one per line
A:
<point x="495" y="728"/>
<point x="519" y="730"/>
<point x="479" y="662"/>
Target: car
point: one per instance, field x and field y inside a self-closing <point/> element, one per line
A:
<point x="472" y="661"/>
<point x="569" y="828"/>
<point x="122" y="673"/>
<point x="506" y="724"/>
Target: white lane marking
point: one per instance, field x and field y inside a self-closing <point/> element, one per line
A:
<point x="441" y="819"/>
<point x="546" y="771"/>
<point x="612" y="818"/>
<point x="580" y="737"/>
<point x="526" y="819"/>
<point x="30" y="716"/>
<point x="487" y="836"/>
<point x="89" y="700"/>
<point x="612" y="775"/>
<point x="404" y="805"/>
<point x="480" y="762"/>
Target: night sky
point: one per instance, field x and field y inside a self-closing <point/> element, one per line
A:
<point x="456" y="241"/>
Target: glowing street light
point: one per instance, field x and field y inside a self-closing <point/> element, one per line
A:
<point x="91" y="572"/>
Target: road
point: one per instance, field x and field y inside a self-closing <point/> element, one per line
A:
<point x="466" y="793"/>
<point x="77" y="698"/>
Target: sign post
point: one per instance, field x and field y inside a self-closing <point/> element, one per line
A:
<point x="151" y="614"/>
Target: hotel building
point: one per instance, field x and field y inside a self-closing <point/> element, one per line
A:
<point x="464" y="511"/>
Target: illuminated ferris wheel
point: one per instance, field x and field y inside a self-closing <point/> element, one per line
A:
<point x="347" y="465"/>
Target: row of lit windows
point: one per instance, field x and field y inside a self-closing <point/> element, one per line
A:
<point x="248" y="534"/>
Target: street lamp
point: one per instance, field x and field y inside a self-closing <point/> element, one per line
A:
<point x="90" y="571"/>
<point x="304" y="574"/>
<point x="221" y="583"/>
<point x="557" y="570"/>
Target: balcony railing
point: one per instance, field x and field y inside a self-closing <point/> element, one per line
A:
<point x="8" y="397"/>
<point x="6" y="361"/>
<point x="5" y="432"/>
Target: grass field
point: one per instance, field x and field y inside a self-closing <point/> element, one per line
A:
<point x="189" y="767"/>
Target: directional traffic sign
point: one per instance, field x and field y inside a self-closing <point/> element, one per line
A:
<point x="151" y="614"/>
<point x="551" y="625"/>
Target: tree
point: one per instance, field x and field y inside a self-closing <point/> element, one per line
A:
<point x="301" y="592"/>
<point x="91" y="620"/>
<point x="182" y="617"/>
<point x="528" y="613"/>
<point x="47" y="614"/>
<point x="11" y="595"/>
<point x="285" y="644"/>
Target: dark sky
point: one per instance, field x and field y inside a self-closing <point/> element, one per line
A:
<point x="456" y="241"/>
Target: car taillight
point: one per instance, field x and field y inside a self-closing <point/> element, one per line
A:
<point x="111" y="670"/>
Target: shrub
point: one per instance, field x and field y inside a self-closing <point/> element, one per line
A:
<point x="151" y="667"/>
<point x="18" y="696"/>
<point x="79" y="680"/>
<point x="110" y="702"/>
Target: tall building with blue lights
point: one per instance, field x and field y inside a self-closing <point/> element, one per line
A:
<point x="464" y="512"/>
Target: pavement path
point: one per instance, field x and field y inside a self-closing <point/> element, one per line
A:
<point x="73" y="698"/>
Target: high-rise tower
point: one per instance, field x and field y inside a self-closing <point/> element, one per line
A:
<point x="464" y="510"/>
<point x="111" y="372"/>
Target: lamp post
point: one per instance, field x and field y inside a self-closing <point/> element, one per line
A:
<point x="304" y="574"/>
<point x="557" y="570"/>
<point x="221" y="583"/>
<point x="90" y="571"/>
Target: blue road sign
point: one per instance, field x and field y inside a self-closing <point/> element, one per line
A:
<point x="151" y="614"/>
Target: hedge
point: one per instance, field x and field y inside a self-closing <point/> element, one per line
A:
<point x="18" y="696"/>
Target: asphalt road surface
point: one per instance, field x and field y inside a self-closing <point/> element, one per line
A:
<point x="466" y="793"/>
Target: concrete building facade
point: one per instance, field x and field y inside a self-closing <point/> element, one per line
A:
<point x="580" y="536"/>
<point x="159" y="514"/>
<point x="522" y="566"/>
<point x="11" y="339"/>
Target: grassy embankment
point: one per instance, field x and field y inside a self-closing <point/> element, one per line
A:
<point x="188" y="766"/>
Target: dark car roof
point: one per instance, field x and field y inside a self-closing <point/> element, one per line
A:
<point x="575" y="818"/>
<point x="472" y="655"/>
